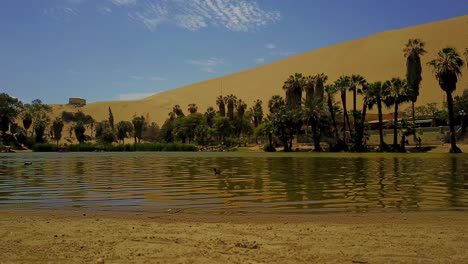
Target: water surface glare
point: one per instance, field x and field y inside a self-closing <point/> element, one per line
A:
<point x="249" y="182"/>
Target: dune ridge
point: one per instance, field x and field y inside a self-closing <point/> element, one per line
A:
<point x="377" y="57"/>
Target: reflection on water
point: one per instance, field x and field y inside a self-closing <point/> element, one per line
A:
<point x="248" y="183"/>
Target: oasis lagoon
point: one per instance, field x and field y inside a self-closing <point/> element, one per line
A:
<point x="248" y="182"/>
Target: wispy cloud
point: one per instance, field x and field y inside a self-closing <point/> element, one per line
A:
<point x="270" y="46"/>
<point x="259" y="60"/>
<point x="105" y="10"/>
<point x="234" y="15"/>
<point x="148" y="78"/>
<point x="282" y="53"/>
<point x="150" y="15"/>
<point x="207" y="65"/>
<point x="155" y="78"/>
<point x="60" y="12"/>
<point x="72" y="71"/>
<point x="124" y="2"/>
<point x="132" y="96"/>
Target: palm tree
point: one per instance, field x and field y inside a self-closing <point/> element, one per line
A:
<point x="293" y="87"/>
<point x="210" y="115"/>
<point x="230" y="101"/>
<point x="221" y="106"/>
<point x="257" y="112"/>
<point x="275" y="103"/>
<point x="192" y="108"/>
<point x="376" y="95"/>
<point x="342" y="84"/>
<point x="312" y="112"/>
<point x="178" y="111"/>
<point x="397" y="93"/>
<point x="320" y="80"/>
<point x="447" y="68"/>
<point x="331" y="90"/>
<point x="367" y="101"/>
<point x="172" y="116"/>
<point x="413" y="51"/>
<point x="241" y="106"/>
<point x="466" y="55"/>
<point x="309" y="87"/>
<point x="356" y="85"/>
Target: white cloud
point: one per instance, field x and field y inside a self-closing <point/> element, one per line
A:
<point x="282" y="53"/>
<point x="104" y="10"/>
<point x="155" y="78"/>
<point x="136" y="77"/>
<point x="150" y="15"/>
<point x="124" y="2"/>
<point x="60" y="12"/>
<point x="133" y="96"/>
<point x="259" y="60"/>
<point x="72" y="71"/>
<point x="207" y="65"/>
<point x="149" y="78"/>
<point x="234" y="15"/>
<point x="270" y="46"/>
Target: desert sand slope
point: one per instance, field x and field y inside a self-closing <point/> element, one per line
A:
<point x="378" y="57"/>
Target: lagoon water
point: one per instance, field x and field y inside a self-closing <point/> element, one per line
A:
<point x="249" y="182"/>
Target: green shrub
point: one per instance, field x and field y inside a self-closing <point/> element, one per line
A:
<point x="154" y="147"/>
<point x="44" y="147"/>
<point x="269" y="148"/>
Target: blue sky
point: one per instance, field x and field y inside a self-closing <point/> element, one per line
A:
<point x="127" y="49"/>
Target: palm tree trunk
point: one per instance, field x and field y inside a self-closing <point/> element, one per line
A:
<point x="315" y="134"/>
<point x="395" y="127"/>
<point x="332" y="113"/>
<point x="345" y="115"/>
<point x="414" y="119"/>
<point x="453" y="139"/>
<point x="379" y="107"/>
<point x="361" y="127"/>
<point x="354" y="108"/>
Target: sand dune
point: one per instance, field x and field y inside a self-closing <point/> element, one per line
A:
<point x="377" y="57"/>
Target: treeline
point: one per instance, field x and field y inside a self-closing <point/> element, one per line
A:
<point x="307" y="110"/>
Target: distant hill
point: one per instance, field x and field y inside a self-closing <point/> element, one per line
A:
<point x="377" y="57"/>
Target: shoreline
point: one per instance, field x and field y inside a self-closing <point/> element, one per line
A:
<point x="125" y="237"/>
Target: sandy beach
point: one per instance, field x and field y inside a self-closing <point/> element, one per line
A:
<point x="75" y="237"/>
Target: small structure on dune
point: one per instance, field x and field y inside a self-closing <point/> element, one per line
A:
<point x="77" y="101"/>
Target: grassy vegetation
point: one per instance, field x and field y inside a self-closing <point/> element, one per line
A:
<point x="118" y="148"/>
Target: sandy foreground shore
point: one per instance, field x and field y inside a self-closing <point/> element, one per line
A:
<point x="74" y="237"/>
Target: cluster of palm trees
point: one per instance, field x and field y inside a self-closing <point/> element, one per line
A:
<point x="447" y="68"/>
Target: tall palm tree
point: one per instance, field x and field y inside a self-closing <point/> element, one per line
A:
<point x="221" y="105"/>
<point x="413" y="51"/>
<point x="230" y="101"/>
<point x="309" y="87"/>
<point x="331" y="90"/>
<point x="257" y="112"/>
<point x="447" y="68"/>
<point x="367" y="101"/>
<point x="293" y="87"/>
<point x="312" y="112"/>
<point x="376" y="96"/>
<point x="356" y="85"/>
<point x="320" y="80"/>
<point x="342" y="84"/>
<point x="210" y="115"/>
<point x="397" y="93"/>
<point x="275" y="103"/>
<point x="241" y="106"/>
